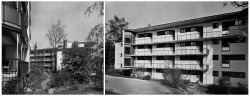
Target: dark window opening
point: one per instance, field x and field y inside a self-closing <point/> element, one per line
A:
<point x="215" y="73"/>
<point x="215" y="41"/>
<point x="190" y="58"/>
<point x="127" y="40"/>
<point x="127" y="50"/>
<point x="164" y="58"/>
<point x="233" y="74"/>
<point x="144" y="58"/>
<point x="215" y="25"/>
<point x="159" y="70"/>
<point x="215" y="57"/>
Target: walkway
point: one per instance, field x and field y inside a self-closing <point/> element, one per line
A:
<point x="121" y="85"/>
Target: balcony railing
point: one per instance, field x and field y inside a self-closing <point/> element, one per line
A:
<point x="171" y="66"/>
<point x="191" y="51"/>
<point x="233" y="30"/>
<point x="190" y="67"/>
<point x="11" y="15"/>
<point x="148" y="52"/>
<point x="13" y="68"/>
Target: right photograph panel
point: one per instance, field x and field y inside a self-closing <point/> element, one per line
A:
<point x="155" y="48"/>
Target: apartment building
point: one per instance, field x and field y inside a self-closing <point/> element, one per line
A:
<point x="204" y="49"/>
<point x="51" y="58"/>
<point x="16" y="38"/>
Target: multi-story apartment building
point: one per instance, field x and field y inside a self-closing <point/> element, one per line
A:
<point x="50" y="58"/>
<point x="16" y="38"/>
<point x="204" y="49"/>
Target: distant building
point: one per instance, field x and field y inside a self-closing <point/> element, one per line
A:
<point x="204" y="49"/>
<point x="51" y="58"/>
<point x="16" y="38"/>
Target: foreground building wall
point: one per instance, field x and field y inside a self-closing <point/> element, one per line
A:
<point x="204" y="49"/>
<point x="15" y="41"/>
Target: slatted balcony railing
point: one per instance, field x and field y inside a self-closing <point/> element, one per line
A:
<point x="11" y="15"/>
<point x="13" y="68"/>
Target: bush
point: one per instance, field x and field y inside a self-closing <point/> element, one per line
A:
<point x="147" y="77"/>
<point x="172" y="77"/>
<point x="221" y="88"/>
<point x="59" y="79"/>
<point x="12" y="87"/>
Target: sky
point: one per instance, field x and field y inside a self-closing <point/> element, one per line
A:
<point x="141" y="14"/>
<point x="43" y="14"/>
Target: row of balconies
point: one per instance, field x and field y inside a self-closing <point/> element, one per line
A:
<point x="191" y="66"/>
<point x="233" y="30"/>
<point x="41" y="54"/>
<point x="149" y="52"/>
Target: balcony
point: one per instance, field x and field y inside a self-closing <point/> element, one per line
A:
<point x="12" y="68"/>
<point x="233" y="31"/>
<point x="189" y="36"/>
<point x="205" y="51"/>
<point x="143" y="52"/>
<point x="160" y="39"/>
<point x="163" y="51"/>
<point x="11" y="16"/>
<point x="190" y="67"/>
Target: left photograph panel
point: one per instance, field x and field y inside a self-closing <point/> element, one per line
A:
<point x="52" y="47"/>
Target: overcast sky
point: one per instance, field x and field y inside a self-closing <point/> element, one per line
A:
<point x="43" y="14"/>
<point x="140" y="14"/>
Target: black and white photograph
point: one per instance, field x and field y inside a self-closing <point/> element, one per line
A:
<point x="186" y="47"/>
<point x="124" y="47"/>
<point x="52" y="47"/>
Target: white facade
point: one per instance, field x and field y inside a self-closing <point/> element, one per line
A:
<point x="205" y="48"/>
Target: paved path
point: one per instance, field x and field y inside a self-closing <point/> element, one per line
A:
<point x="133" y="86"/>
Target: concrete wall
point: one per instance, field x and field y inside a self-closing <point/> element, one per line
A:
<point x="58" y="60"/>
<point x="119" y="55"/>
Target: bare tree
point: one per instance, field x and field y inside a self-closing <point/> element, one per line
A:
<point x="56" y="34"/>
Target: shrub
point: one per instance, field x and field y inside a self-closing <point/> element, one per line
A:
<point x="12" y="87"/>
<point x="59" y="79"/>
<point x="222" y="88"/>
<point x="147" y="77"/>
<point x="172" y="77"/>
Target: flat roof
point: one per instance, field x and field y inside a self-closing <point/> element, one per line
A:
<point x="238" y="14"/>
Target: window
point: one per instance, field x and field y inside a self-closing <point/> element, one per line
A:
<point x="127" y="50"/>
<point x="240" y="22"/>
<point x="215" y="25"/>
<point x="127" y="62"/>
<point x="127" y="40"/>
<point x="193" y="29"/>
<point x="164" y="58"/>
<point x="182" y="30"/>
<point x="160" y="33"/>
<point x="215" y="41"/>
<point x="140" y="47"/>
<point x="225" y="44"/>
<point x="140" y="35"/>
<point x="237" y="57"/>
<point x="140" y="58"/>
<point x="159" y="70"/>
<point x="148" y="35"/>
<point x="121" y="54"/>
<point x="233" y="74"/>
<point x="160" y="45"/>
<point x="121" y="44"/>
<point x="225" y="61"/>
<point x="182" y="44"/>
<point x="190" y="57"/>
<point x="215" y="57"/>
<point x="144" y="58"/>
<point x="215" y="73"/>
